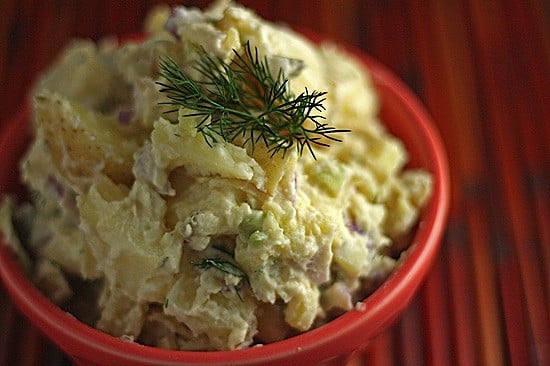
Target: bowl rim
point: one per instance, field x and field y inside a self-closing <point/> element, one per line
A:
<point x="395" y="293"/>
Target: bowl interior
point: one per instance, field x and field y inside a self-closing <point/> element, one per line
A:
<point x="404" y="116"/>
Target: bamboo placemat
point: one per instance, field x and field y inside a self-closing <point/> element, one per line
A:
<point x="483" y="70"/>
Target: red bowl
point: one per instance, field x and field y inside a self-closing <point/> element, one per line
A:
<point x="331" y="343"/>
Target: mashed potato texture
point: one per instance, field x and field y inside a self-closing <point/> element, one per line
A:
<point x="196" y="246"/>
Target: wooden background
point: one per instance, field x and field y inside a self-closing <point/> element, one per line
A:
<point x="482" y="67"/>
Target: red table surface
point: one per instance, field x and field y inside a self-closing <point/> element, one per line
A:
<point x="482" y="68"/>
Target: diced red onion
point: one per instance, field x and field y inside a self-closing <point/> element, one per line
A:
<point x="294" y="193"/>
<point x="353" y="226"/>
<point x="55" y="187"/>
<point x="125" y="116"/>
<point x="171" y="25"/>
<point x="180" y="16"/>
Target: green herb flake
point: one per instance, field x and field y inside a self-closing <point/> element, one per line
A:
<point x="258" y="237"/>
<point x="222" y="265"/>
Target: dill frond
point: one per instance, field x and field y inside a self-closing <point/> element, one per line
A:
<point x="243" y="100"/>
<point x="222" y="265"/>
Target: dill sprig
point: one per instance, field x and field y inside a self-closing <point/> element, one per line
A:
<point x="222" y="265"/>
<point x="243" y="100"/>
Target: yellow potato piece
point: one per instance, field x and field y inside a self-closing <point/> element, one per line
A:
<point x="83" y="143"/>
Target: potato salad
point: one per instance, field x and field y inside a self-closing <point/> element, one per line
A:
<point x="218" y="183"/>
